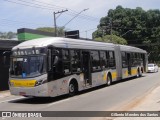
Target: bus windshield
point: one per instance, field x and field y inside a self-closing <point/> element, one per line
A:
<point x="29" y="66"/>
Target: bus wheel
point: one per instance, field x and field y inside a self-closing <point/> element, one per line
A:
<point x="109" y="80"/>
<point x="72" y="89"/>
<point x="138" y="73"/>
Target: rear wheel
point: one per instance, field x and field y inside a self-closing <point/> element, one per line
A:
<point x="109" y="80"/>
<point x="139" y="73"/>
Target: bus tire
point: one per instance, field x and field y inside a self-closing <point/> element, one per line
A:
<point x="73" y="88"/>
<point x="109" y="80"/>
<point x="138" y="73"/>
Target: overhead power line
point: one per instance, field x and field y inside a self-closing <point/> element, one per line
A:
<point x="88" y="30"/>
<point x="8" y="22"/>
<point x="46" y="6"/>
<point x="29" y="5"/>
<point x="70" y="10"/>
<point x="20" y="22"/>
<point x="129" y="28"/>
<point x="75" y="17"/>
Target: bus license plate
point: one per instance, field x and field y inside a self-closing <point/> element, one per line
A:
<point x="22" y="93"/>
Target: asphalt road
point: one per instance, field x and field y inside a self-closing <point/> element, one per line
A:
<point x="119" y="96"/>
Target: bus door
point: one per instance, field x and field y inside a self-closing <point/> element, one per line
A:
<point x="86" y="67"/>
<point x="129" y="63"/>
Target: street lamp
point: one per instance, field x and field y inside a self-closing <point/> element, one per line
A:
<point x="75" y="17"/>
<point x="126" y="33"/>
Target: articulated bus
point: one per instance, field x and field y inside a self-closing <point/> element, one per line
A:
<point x="49" y="67"/>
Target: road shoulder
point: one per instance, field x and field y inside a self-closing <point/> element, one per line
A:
<point x="149" y="102"/>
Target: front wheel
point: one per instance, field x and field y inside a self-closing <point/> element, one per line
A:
<point x="72" y="89"/>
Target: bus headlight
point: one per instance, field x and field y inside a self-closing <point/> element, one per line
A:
<point x="40" y="82"/>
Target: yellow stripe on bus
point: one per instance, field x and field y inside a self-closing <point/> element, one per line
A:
<point x="133" y="71"/>
<point x="126" y="73"/>
<point x="114" y="75"/>
<point x="23" y="83"/>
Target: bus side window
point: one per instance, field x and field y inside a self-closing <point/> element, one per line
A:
<point x="133" y="60"/>
<point x="66" y="61"/>
<point x="107" y="59"/>
<point x="103" y="59"/>
<point x="124" y="60"/>
<point x="138" y="59"/>
<point x="57" y="61"/>
<point x="111" y="59"/>
<point x="95" y="60"/>
<point x="75" y="61"/>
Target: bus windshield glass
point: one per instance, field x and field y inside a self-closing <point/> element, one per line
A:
<point x="30" y="66"/>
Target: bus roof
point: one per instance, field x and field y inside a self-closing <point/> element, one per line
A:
<point x="74" y="43"/>
<point x="131" y="49"/>
<point x="64" y="43"/>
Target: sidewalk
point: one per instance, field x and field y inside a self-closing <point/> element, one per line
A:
<point x="5" y="93"/>
<point x="150" y="102"/>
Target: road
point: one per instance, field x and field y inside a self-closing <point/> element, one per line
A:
<point x="119" y="96"/>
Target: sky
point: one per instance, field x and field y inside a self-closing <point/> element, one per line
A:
<point x="16" y="14"/>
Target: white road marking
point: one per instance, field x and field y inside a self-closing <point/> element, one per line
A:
<point x="11" y="100"/>
<point x="58" y="102"/>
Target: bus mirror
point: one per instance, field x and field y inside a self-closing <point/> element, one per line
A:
<point x="56" y="60"/>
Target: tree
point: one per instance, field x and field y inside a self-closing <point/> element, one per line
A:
<point x="60" y="30"/>
<point x="7" y="35"/>
<point x="144" y="27"/>
<point x="112" y="39"/>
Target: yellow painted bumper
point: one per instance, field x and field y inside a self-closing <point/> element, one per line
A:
<point x="22" y="83"/>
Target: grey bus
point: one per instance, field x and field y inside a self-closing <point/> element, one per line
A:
<point x="53" y="66"/>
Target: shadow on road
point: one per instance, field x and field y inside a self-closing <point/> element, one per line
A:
<point x="39" y="100"/>
<point x="126" y="80"/>
<point x="46" y="100"/>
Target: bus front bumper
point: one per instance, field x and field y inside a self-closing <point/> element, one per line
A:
<point x="38" y="91"/>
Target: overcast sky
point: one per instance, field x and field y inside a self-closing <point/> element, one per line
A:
<point x="15" y="14"/>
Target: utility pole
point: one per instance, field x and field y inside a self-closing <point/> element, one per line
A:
<point x="55" y="26"/>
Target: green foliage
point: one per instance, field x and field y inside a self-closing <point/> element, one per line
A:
<point x="112" y="39"/>
<point x="60" y="30"/>
<point x="46" y="29"/>
<point x="139" y="27"/>
<point x="7" y="35"/>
